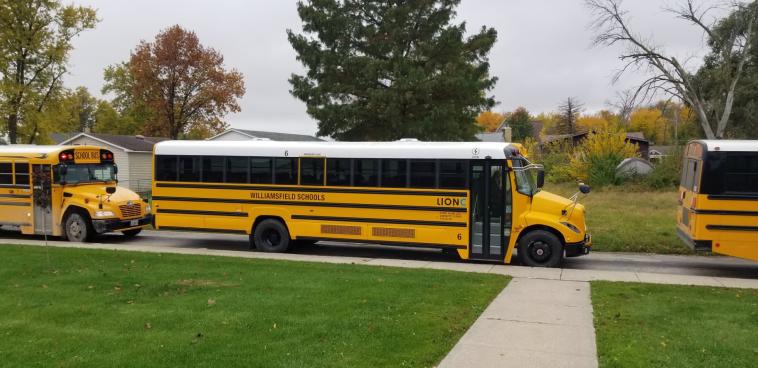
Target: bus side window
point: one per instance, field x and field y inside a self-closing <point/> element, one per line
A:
<point x="237" y="170"/>
<point x="285" y="170"/>
<point x="312" y="171"/>
<point x="22" y="173"/>
<point x="741" y="173"/>
<point x="6" y="173"/>
<point x="213" y="169"/>
<point x="261" y="171"/>
<point x="366" y="172"/>
<point x="423" y="173"/>
<point x="338" y="171"/>
<point x="189" y="168"/>
<point x="453" y="174"/>
<point x="165" y="168"/>
<point x="394" y="173"/>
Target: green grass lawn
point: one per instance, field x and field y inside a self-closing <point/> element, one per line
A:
<point x="626" y="219"/>
<point x="91" y="308"/>
<point x="644" y="325"/>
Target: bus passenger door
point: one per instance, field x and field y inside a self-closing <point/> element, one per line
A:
<point x="490" y="214"/>
<point x="42" y="199"/>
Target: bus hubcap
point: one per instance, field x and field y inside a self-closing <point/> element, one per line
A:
<point x="75" y="228"/>
<point x="272" y="238"/>
<point x="540" y="251"/>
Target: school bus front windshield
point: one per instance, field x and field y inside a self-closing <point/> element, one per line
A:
<point x="526" y="176"/>
<point x="85" y="174"/>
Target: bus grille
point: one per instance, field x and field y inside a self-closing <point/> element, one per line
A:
<point x="340" y="229"/>
<point x="393" y="233"/>
<point x="130" y="210"/>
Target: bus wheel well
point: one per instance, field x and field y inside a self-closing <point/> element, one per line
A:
<point x="541" y="227"/>
<point x="76" y="209"/>
<point x="260" y="219"/>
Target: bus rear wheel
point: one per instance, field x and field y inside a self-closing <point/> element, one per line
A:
<point x="78" y="228"/>
<point x="540" y="248"/>
<point x="271" y="236"/>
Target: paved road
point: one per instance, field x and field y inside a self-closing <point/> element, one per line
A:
<point x="669" y="264"/>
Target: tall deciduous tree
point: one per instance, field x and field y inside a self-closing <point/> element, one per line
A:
<point x="35" y="40"/>
<point x="384" y="70"/>
<point x="181" y="85"/>
<point x="668" y="75"/>
<point x="489" y="121"/>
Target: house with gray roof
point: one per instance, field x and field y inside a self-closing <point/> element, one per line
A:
<point x="132" y="153"/>
<point x="235" y="134"/>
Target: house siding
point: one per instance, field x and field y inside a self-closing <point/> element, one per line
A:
<point x="140" y="171"/>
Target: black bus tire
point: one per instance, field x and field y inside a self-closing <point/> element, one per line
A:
<point x="540" y="248"/>
<point x="271" y="236"/>
<point x="78" y="228"/>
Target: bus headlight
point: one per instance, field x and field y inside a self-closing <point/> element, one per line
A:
<point x="572" y="227"/>
<point x="104" y="214"/>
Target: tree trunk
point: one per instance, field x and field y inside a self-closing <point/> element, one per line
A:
<point x="12" y="128"/>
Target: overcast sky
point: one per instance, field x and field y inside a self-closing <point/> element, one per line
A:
<point x="543" y="53"/>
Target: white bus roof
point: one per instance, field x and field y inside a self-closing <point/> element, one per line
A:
<point x="399" y="149"/>
<point x="730" y="145"/>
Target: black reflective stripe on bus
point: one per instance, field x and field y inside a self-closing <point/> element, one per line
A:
<point x="15" y="196"/>
<point x="11" y="186"/>
<point x="208" y="213"/>
<point x="726" y="213"/>
<point x="384" y="242"/>
<point x="313" y="189"/>
<point x="734" y="197"/>
<point x="19" y="204"/>
<point x="731" y="227"/>
<point x="379" y="220"/>
<point x="203" y="230"/>
<point x="313" y="204"/>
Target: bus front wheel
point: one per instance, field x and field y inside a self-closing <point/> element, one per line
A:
<point x="78" y="228"/>
<point x="271" y="236"/>
<point x="540" y="248"/>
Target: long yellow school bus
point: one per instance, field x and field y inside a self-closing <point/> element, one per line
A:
<point x="718" y="197"/>
<point x="67" y="191"/>
<point x="479" y="199"/>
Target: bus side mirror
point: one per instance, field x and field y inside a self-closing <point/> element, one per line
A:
<point x="540" y="178"/>
<point x="62" y="171"/>
<point x="584" y="188"/>
<point x="115" y="170"/>
<point x="110" y="190"/>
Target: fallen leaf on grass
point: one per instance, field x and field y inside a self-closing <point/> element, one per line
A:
<point x="211" y="301"/>
<point x="148" y="326"/>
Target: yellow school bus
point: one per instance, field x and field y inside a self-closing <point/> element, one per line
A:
<point x="718" y="197"/>
<point x="67" y="191"/>
<point x="480" y="199"/>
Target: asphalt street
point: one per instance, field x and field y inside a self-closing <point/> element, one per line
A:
<point x="699" y="265"/>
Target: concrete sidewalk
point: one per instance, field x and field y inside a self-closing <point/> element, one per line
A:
<point x="509" y="270"/>
<point x="532" y="323"/>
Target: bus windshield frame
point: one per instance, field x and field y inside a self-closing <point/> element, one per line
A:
<point x="85" y="173"/>
<point x="525" y="174"/>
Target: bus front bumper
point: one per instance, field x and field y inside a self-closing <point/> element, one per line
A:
<point x="104" y="226"/>
<point x="579" y="249"/>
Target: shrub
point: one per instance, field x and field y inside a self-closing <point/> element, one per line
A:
<point x="554" y="156"/>
<point x="666" y="173"/>
<point x="596" y="158"/>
